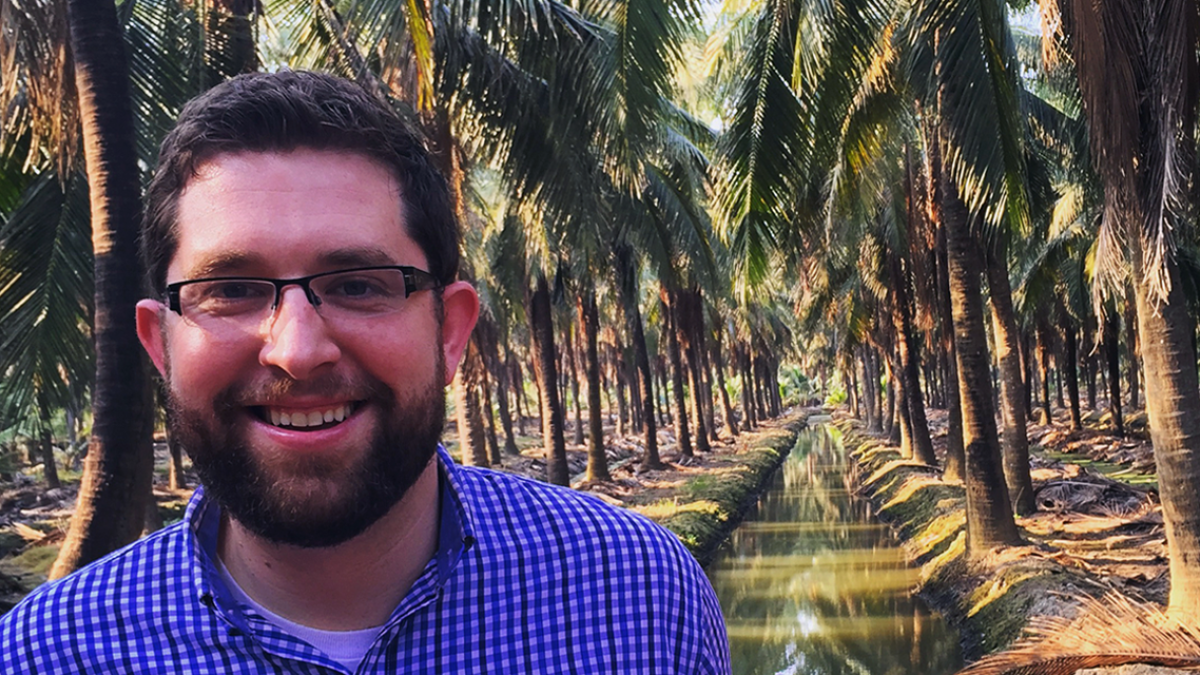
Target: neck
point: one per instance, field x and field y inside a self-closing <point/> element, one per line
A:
<point x="350" y="586"/>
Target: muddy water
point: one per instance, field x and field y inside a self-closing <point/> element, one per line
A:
<point x="811" y="583"/>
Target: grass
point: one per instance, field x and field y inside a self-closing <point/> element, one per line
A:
<point x="709" y="506"/>
<point x="36" y="560"/>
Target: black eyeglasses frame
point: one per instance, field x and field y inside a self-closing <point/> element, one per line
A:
<point x="415" y="280"/>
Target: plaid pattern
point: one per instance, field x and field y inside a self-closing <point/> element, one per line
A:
<point x="528" y="578"/>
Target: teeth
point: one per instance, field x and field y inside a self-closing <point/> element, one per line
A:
<point x="312" y="419"/>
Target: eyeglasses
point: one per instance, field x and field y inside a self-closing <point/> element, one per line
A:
<point x="339" y="296"/>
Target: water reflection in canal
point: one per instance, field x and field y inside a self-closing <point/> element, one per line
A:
<point x="812" y="584"/>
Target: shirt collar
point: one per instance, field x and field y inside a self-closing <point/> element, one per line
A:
<point x="456" y="534"/>
<point x="203" y="519"/>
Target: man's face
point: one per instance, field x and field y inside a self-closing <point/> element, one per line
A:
<point x="372" y="389"/>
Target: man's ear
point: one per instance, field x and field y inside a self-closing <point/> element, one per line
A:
<point x="149" y="331"/>
<point x="460" y="309"/>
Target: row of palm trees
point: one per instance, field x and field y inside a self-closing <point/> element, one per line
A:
<point x="874" y="161"/>
<point x="899" y="154"/>
<point x="580" y="181"/>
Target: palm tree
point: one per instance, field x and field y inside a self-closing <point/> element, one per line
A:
<point x="117" y="472"/>
<point x="1138" y="72"/>
<point x="791" y="119"/>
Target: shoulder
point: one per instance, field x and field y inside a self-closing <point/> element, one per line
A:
<point x="519" y="505"/>
<point x="622" y="582"/>
<point x="117" y="597"/>
<point x="552" y="530"/>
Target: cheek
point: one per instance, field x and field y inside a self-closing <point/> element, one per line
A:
<point x="403" y="365"/>
<point x="199" y="368"/>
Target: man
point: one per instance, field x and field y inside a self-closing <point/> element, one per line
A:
<point x="303" y="255"/>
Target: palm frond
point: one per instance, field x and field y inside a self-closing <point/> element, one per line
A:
<point x="972" y="72"/>
<point x="45" y="295"/>
<point x="38" y="99"/>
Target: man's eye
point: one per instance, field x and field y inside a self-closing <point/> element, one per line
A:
<point x="363" y="287"/>
<point x="233" y="290"/>
<point x="355" y="288"/>
<point x="226" y="297"/>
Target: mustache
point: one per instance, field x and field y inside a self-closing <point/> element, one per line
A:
<point x="281" y="389"/>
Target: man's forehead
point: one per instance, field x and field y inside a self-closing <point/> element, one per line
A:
<point x="289" y="214"/>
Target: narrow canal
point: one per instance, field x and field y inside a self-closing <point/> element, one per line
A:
<point x="812" y="583"/>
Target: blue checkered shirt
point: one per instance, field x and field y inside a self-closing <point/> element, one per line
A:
<point x="527" y="578"/>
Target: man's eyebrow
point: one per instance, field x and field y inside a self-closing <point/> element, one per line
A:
<point x="224" y="264"/>
<point x="354" y="257"/>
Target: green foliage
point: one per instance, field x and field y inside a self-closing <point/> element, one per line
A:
<point x="836" y="396"/>
<point x="796" y="388"/>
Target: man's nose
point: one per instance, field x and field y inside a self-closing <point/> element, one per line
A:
<point x="298" y="341"/>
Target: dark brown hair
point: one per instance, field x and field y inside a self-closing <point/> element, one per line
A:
<point x="279" y="112"/>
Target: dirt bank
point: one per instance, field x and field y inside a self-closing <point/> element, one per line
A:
<point x="1091" y="536"/>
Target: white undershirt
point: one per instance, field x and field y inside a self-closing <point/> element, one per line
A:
<point x="346" y="647"/>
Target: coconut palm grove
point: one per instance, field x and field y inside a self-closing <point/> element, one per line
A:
<point x="945" y="221"/>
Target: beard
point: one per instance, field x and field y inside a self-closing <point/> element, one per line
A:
<point x="310" y="501"/>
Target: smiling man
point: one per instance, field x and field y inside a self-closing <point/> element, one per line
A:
<point x="302" y="256"/>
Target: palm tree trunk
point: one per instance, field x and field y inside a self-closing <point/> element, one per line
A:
<point x="689" y="326"/>
<point x="1173" y="409"/>
<point x="670" y="319"/>
<point x="748" y="419"/>
<point x="719" y="366"/>
<point x="1012" y="386"/>
<point x="1088" y="362"/>
<point x="49" y="468"/>
<point x="502" y="387"/>
<point x="1070" y="368"/>
<point x="1113" y="359"/>
<point x="1043" y="353"/>
<point x="627" y="290"/>
<point x="873" y="372"/>
<point x="870" y="382"/>
<point x="989" y="511"/>
<point x="589" y="318"/>
<point x="471" y="439"/>
<point x="895" y="412"/>
<point x="773" y="380"/>
<point x="175" y="479"/>
<point x="635" y="389"/>
<point x="115" y="488"/>
<point x="573" y="376"/>
<point x="542" y="325"/>
<point x="662" y="403"/>
<point x="517" y="381"/>
<point x="956" y="461"/>
<point x="850" y="377"/>
<point x="909" y="354"/>
<point x="903" y="419"/>
<point x="618" y="364"/>
<point x="1132" y="346"/>
<point x="229" y="47"/>
<point x="1027" y="370"/>
<point x="485" y="409"/>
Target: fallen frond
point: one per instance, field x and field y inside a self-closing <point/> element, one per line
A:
<point x="1107" y="632"/>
